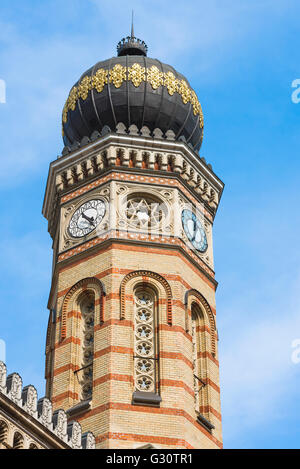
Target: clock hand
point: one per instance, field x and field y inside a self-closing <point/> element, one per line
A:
<point x="195" y="230"/>
<point x="90" y="220"/>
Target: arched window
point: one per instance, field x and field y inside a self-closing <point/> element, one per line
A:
<point x="18" y="441"/>
<point x="199" y="359"/>
<point x="196" y="370"/>
<point x="145" y="340"/>
<point x="87" y="309"/>
<point x="200" y="367"/>
<point x="33" y="446"/>
<point x="3" y="433"/>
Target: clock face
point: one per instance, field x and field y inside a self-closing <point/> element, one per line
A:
<point x="87" y="218"/>
<point x="194" y="230"/>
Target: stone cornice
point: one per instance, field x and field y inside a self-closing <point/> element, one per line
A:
<point x="186" y="165"/>
<point x="29" y="425"/>
<point x="35" y="418"/>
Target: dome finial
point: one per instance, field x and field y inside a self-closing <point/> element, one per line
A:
<point x="131" y="45"/>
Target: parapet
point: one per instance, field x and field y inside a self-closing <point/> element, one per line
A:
<point x="39" y="412"/>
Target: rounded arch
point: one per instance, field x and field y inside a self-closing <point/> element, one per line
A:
<point x="196" y="297"/>
<point x="18" y="442"/>
<point x="3" y="432"/>
<point x="140" y="284"/>
<point x="146" y="276"/>
<point x="33" y="446"/>
<point x="77" y="289"/>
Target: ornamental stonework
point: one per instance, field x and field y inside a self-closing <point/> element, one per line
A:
<point x="136" y="74"/>
<point x="155" y="77"/>
<point x="117" y="75"/>
<point x="84" y="87"/>
<point x="27" y="422"/>
<point x="99" y="80"/>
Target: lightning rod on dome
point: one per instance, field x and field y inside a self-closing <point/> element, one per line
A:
<point x="132" y="28"/>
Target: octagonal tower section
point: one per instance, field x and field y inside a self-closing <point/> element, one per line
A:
<point x="132" y="342"/>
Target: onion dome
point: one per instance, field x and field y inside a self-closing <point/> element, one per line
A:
<point x="133" y="89"/>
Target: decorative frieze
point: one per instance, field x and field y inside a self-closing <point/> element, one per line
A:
<point x="137" y="75"/>
<point x="162" y="161"/>
<point x="134" y="151"/>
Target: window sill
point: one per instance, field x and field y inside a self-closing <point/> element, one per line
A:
<point x="150" y="399"/>
<point x="79" y="408"/>
<point x="205" y="423"/>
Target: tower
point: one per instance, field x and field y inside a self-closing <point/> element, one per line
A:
<point x="132" y="345"/>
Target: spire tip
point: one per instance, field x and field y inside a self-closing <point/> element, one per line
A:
<point x="132" y="27"/>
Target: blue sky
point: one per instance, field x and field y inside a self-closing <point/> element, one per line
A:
<point x="241" y="57"/>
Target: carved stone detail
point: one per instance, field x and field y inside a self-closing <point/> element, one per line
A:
<point x="146" y="275"/>
<point x="88" y="441"/>
<point x="30" y="398"/>
<point x="144" y="335"/>
<point x="41" y="410"/>
<point x="44" y="408"/>
<point x="154" y="203"/>
<point x="67" y="241"/>
<point x="75" y="435"/>
<point x="60" y="424"/>
<point x="14" y="388"/>
<point x="3" y="372"/>
<point x="184" y="166"/>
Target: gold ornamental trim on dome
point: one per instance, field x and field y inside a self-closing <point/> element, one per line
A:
<point x="137" y="75"/>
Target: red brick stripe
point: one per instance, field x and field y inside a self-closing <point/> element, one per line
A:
<point x="176" y="356"/>
<point x="69" y="340"/>
<point x="114" y="322"/>
<point x="208" y="408"/>
<point x="153" y="250"/>
<point x="143" y="439"/>
<point x="65" y="368"/>
<point x="113" y="377"/>
<point x="65" y="395"/>
<point x="113" y="349"/>
<point x="208" y="355"/>
<point x="151" y="410"/>
<point x="166" y="181"/>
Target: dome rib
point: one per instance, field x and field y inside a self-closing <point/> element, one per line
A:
<point x="128" y="97"/>
<point x="161" y="98"/>
<point x="109" y="94"/>
<point x="145" y="93"/>
<point x="186" y="119"/>
<point x="195" y="128"/>
<point x="83" y="119"/>
<point x="93" y="99"/>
